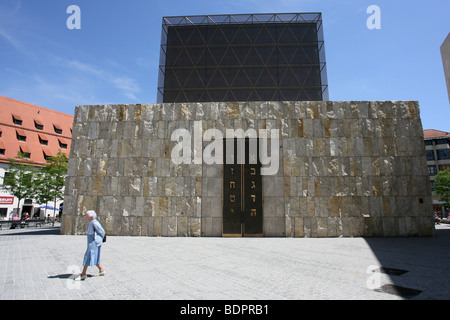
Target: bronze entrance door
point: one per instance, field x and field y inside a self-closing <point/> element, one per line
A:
<point x="242" y="191"/>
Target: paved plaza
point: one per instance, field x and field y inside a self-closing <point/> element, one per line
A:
<point x="39" y="263"/>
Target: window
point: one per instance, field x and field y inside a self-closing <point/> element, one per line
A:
<point x="43" y="142"/>
<point x="430" y="154"/>
<point x="2" y="152"/>
<point x="443" y="154"/>
<point x="7" y="174"/>
<point x="58" y="129"/>
<point x="24" y="150"/>
<point x="43" y="139"/>
<point x="21" y="137"/>
<point x="432" y="170"/>
<point x="46" y="156"/>
<point x="432" y="186"/>
<point x="442" y="141"/>
<point x="17" y="120"/>
<point x="0" y="134"/>
<point x="428" y="142"/>
<point x="62" y="145"/>
<point x="38" y="125"/>
<point x="443" y="167"/>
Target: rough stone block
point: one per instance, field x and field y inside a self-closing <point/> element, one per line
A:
<point x="353" y="168"/>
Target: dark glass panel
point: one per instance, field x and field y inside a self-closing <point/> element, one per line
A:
<point x="257" y="61"/>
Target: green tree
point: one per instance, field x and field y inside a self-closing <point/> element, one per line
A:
<point x="19" y="177"/>
<point x="50" y="179"/>
<point x="43" y="188"/>
<point x="442" y="185"/>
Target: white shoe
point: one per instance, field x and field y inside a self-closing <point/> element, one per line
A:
<point x="80" y="278"/>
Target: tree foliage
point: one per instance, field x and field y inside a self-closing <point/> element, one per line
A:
<point x="50" y="180"/>
<point x="43" y="185"/>
<point x="19" y="177"/>
<point x="442" y="185"/>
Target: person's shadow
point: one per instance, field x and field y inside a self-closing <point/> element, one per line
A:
<point x="67" y="276"/>
<point x="61" y="276"/>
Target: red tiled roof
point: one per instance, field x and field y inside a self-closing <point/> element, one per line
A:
<point x="32" y="116"/>
<point x="431" y="133"/>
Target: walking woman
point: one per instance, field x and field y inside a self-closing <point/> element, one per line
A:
<point x="95" y="234"/>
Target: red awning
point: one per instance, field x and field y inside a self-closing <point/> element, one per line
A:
<point x="24" y="148"/>
<point x="43" y="136"/>
<point x="21" y="132"/>
<point x="63" y="141"/>
<point x="16" y="116"/>
<point x="48" y="152"/>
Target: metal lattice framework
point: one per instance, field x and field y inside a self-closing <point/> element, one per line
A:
<point x="246" y="57"/>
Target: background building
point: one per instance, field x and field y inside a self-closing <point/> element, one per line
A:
<point x="36" y="131"/>
<point x="246" y="57"/>
<point x="437" y="144"/>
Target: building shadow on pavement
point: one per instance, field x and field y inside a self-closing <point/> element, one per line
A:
<point x="27" y="231"/>
<point x="416" y="267"/>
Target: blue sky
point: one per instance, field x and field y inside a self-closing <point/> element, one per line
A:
<point x="114" y="57"/>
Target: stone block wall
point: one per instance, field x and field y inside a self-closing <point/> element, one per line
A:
<point x="346" y="169"/>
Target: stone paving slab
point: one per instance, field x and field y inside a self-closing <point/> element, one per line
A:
<point x="39" y="263"/>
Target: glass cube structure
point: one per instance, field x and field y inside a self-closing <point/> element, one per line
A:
<point x="246" y="57"/>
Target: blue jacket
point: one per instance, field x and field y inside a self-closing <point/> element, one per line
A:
<point x="99" y="233"/>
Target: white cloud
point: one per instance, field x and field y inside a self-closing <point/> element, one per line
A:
<point x="15" y="43"/>
<point x="129" y="87"/>
<point x="9" y="8"/>
<point x="83" y="67"/>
